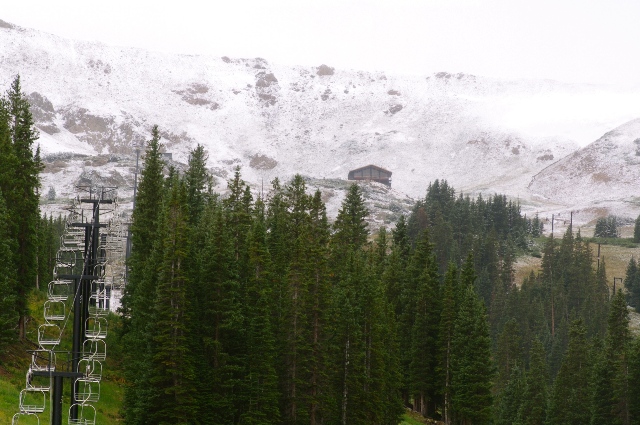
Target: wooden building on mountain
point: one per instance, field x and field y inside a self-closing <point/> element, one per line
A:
<point x="371" y="173"/>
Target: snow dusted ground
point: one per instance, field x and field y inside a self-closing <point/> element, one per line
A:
<point x="483" y="135"/>
<point x="603" y="175"/>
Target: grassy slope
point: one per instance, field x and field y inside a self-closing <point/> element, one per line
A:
<point x="14" y="362"/>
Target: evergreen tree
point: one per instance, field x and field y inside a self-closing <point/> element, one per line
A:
<point x="533" y="410"/>
<point x="220" y="327"/>
<point x="139" y="296"/>
<point x="145" y="218"/>
<point x="394" y="275"/>
<point x="510" y="399"/>
<point x="632" y="284"/>
<point x="396" y="284"/>
<point x="297" y="339"/>
<point x="173" y="373"/>
<point x="508" y="352"/>
<point x="636" y="230"/>
<point x="198" y="182"/>
<point x="318" y="300"/>
<point x="261" y="382"/>
<point x="634" y="378"/>
<point x="19" y="185"/>
<point x="570" y="401"/>
<point x="611" y="392"/>
<point x="239" y="206"/>
<point x="346" y="353"/>
<point x="423" y="361"/>
<point x="8" y="313"/>
<point x="472" y="369"/>
<point x="48" y="238"/>
<point x="607" y="227"/>
<point x="350" y="226"/>
<point x="380" y="401"/>
<point x="451" y="295"/>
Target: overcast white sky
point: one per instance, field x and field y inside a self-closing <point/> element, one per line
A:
<point x="572" y="41"/>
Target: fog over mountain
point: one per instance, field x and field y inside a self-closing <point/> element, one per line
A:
<point x="554" y="146"/>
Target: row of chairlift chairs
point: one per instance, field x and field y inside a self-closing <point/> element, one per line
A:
<point x="57" y="308"/>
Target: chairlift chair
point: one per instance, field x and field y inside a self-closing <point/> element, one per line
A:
<point x="96" y="327"/>
<point x="59" y="290"/>
<point x="31" y="385"/>
<point x="25" y="419"/>
<point x="92" y="369"/>
<point x="94" y="349"/>
<point x="48" y="335"/>
<point x="43" y="360"/>
<point x="54" y="310"/>
<point x="86" y="414"/>
<point x="32" y="401"/>
<point x="88" y="390"/>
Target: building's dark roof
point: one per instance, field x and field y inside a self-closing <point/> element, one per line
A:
<point x="372" y="166"/>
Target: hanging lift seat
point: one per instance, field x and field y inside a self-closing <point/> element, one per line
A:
<point x="25" y="419"/>
<point x="54" y="310"/>
<point x="86" y="414"/>
<point x="48" y="335"/>
<point x="32" y="401"/>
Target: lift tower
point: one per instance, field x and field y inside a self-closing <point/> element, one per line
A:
<point x="88" y="267"/>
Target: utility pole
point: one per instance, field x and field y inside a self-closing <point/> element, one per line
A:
<point x="614" y="284"/>
<point x="571" y="222"/>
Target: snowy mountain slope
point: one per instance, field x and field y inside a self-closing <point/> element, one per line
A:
<point x="606" y="172"/>
<point x="481" y="134"/>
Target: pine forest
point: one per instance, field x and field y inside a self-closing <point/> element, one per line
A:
<point x="253" y="308"/>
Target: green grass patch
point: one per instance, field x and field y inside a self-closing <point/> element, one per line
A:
<point x="8" y="400"/>
<point x="623" y="242"/>
<point x="15" y="360"/>
<point x="413" y="418"/>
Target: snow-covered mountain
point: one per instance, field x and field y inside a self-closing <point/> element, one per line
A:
<point x="94" y="104"/>
<point x="604" y="174"/>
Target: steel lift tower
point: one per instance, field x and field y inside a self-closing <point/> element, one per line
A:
<point x="89" y="265"/>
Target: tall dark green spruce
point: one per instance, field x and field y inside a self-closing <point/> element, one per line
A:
<point x="471" y="367"/>
<point x="510" y="399"/>
<point x="632" y="284"/>
<point x="8" y="312"/>
<point x="220" y="325"/>
<point x="198" y="183"/>
<point x="145" y="219"/>
<point x="450" y="302"/>
<point x="424" y="377"/>
<point x="261" y="382"/>
<point x="634" y="378"/>
<point x="295" y="309"/>
<point x="49" y="234"/>
<point x="611" y="396"/>
<point x="173" y="374"/>
<point x="533" y="410"/>
<point x="510" y="380"/>
<point x="138" y="300"/>
<point x="344" y="325"/>
<point x="571" y="399"/>
<point x="357" y="323"/>
<point x="19" y="183"/>
<point x="318" y="299"/>
<point x="381" y="402"/>
<point x="351" y="229"/>
<point x="395" y="281"/>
